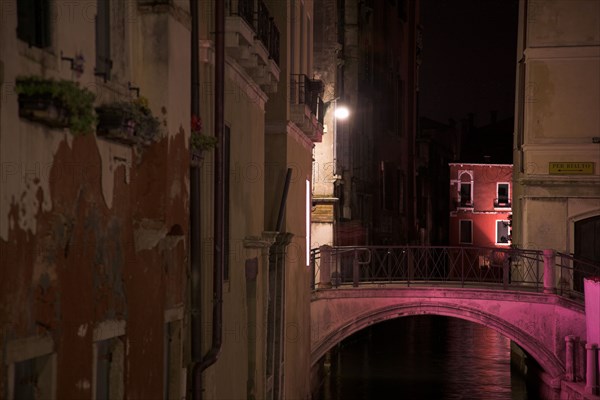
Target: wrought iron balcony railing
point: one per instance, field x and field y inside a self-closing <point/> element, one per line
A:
<point x="267" y="31"/>
<point x="243" y="8"/>
<point x="263" y="23"/>
<point x="273" y="46"/>
<point x="307" y="91"/>
<point x="502" y="202"/>
<point x="514" y="269"/>
<point x="463" y="202"/>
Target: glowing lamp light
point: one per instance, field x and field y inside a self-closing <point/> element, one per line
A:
<point x="341" y="112"/>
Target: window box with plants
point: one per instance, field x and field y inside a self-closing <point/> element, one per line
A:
<point x="56" y="104"/>
<point x="129" y="122"/>
<point x="199" y="142"/>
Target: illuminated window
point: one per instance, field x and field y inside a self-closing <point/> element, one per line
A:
<point x="502" y="232"/>
<point x="465" y="194"/>
<point x="465" y="231"/>
<point x="502" y="195"/>
<point x="465" y="188"/>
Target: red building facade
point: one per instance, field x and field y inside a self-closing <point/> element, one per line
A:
<point x="480" y="204"/>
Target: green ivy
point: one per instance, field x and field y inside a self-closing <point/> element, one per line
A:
<point x="147" y="126"/>
<point x="78" y="102"/>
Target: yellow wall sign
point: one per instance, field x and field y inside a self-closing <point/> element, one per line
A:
<point x="571" y="168"/>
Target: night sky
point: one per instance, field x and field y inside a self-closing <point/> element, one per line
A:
<point x="469" y="59"/>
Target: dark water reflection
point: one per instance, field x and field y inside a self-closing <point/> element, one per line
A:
<point x="423" y="357"/>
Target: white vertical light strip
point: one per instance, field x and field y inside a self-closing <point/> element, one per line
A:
<point x="308" y="207"/>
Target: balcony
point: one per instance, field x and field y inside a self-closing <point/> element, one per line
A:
<point x="252" y="39"/>
<point x="502" y="202"/>
<point x="462" y="202"/>
<point x="306" y="105"/>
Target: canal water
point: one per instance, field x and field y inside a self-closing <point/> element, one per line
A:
<point x="423" y="357"/>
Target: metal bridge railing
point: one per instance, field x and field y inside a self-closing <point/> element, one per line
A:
<point x="516" y="269"/>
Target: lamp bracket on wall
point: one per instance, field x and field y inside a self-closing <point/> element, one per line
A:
<point x="135" y="89"/>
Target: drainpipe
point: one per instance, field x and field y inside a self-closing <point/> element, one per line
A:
<point x="219" y="196"/>
<point x="286" y="187"/>
<point x="195" y="223"/>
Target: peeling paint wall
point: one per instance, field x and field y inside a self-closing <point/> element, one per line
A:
<point x="91" y="230"/>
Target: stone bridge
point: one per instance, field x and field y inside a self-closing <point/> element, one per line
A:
<point x="537" y="322"/>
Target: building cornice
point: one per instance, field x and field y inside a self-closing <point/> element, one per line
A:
<point x="554" y="180"/>
<point x="246" y="83"/>
<point x="479" y="164"/>
<point x="325" y="200"/>
<point x="258" y="242"/>
<point x="568" y="52"/>
<point x="236" y="73"/>
<point x="292" y="130"/>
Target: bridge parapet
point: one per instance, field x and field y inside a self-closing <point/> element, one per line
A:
<point x="535" y="298"/>
<point x="509" y="268"/>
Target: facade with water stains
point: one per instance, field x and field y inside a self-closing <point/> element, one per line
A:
<point x="557" y="128"/>
<point x="107" y="237"/>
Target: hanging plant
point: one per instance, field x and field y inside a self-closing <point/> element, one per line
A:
<point x="57" y="104"/>
<point x="198" y="140"/>
<point x="130" y="122"/>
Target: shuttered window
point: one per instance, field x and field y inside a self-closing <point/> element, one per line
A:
<point x="33" y="22"/>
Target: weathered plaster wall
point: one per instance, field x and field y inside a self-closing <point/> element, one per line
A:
<point x="321" y="234"/>
<point x="298" y="275"/>
<point x="563" y="22"/>
<point x="243" y="310"/>
<point x="558" y="102"/>
<point x="81" y="243"/>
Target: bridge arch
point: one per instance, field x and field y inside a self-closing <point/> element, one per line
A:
<point x="517" y="316"/>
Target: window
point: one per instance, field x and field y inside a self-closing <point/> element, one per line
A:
<point x="31" y="368"/>
<point x="301" y="50"/>
<point x="173" y="360"/>
<point x="109" y="369"/>
<point x="401" y="9"/>
<point x="502" y="195"/>
<point x="33" y="378"/>
<point x="33" y="22"/>
<point x="465" y="231"/>
<point x="502" y="232"/>
<point x="465" y="188"/>
<point x="400" y="191"/>
<point x="387" y="186"/>
<point x="109" y="361"/>
<point x="103" y="60"/>
<point x="466" y="199"/>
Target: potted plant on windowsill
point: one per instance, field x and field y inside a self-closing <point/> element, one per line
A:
<point x="129" y="122"/>
<point x="199" y="142"/>
<point x="56" y="104"/>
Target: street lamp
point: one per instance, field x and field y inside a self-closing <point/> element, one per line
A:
<point x="340" y="112"/>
